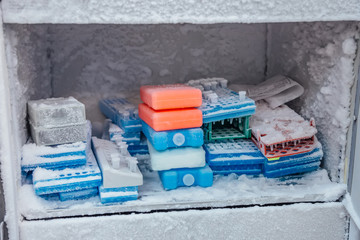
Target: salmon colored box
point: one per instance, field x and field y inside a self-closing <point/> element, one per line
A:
<point x="171" y="96"/>
<point x="163" y="120"/>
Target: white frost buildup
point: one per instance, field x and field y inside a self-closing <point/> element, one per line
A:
<point x="278" y="125"/>
<point x="227" y="191"/>
<point x="349" y="46"/>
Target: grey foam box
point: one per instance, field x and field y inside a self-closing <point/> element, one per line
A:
<point x="56" y="112"/>
<point x="58" y="135"/>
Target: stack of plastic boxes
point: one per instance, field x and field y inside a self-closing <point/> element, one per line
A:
<point x="286" y="139"/>
<point x="226" y="116"/>
<point x="171" y="123"/>
<point x="126" y="124"/>
<point x="61" y="159"/>
<point x="57" y="121"/>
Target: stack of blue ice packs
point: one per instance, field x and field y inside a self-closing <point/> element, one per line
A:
<point x="240" y="156"/>
<point x="299" y="163"/>
<point x="126" y="124"/>
<point x="67" y="182"/>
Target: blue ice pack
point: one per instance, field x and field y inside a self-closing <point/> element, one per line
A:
<point x="240" y="156"/>
<point x="190" y="137"/>
<point x="78" y="195"/>
<point x="302" y="168"/>
<point x="132" y="137"/>
<point x="122" y="113"/>
<point x="186" y="177"/>
<point x="53" y="157"/>
<point x="140" y="148"/>
<point x="233" y="152"/>
<point x="293" y="164"/>
<point x="227" y="106"/>
<point x="221" y="103"/>
<point x="51" y="196"/>
<point x="248" y="169"/>
<point x="293" y="160"/>
<point x="69" y="179"/>
<point x="118" y="134"/>
<point x="117" y="195"/>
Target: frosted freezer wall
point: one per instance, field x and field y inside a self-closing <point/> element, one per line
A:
<point x="321" y="56"/>
<point x="94" y="61"/>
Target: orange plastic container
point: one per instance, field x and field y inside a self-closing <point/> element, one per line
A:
<point x="171" y="96"/>
<point x="163" y="120"/>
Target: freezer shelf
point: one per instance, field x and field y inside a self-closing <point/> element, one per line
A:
<point x="295" y="221"/>
<point x="227" y="191"/>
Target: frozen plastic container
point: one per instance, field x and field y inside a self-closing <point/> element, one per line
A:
<point x="55" y="112"/>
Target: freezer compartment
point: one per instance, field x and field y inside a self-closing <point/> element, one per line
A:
<point x="91" y="62"/>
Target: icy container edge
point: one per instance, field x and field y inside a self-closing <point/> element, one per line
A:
<point x="7" y="146"/>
